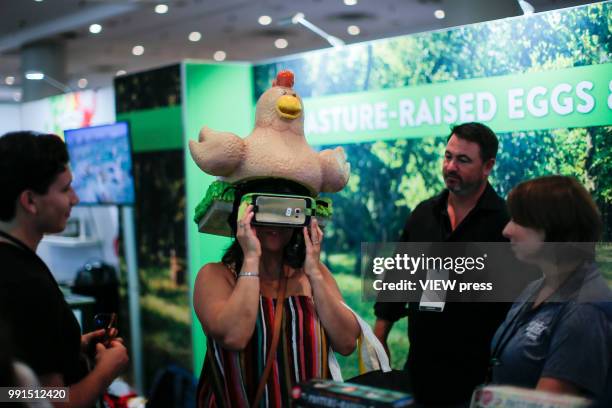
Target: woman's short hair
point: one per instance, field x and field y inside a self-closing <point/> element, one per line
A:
<point x="558" y="205"/>
<point x="28" y="161"/>
<point x="295" y="251"/>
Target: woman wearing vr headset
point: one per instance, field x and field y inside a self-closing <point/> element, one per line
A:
<point x="253" y="357"/>
<point x="558" y="335"/>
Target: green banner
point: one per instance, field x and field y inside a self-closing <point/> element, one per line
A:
<point x="155" y="129"/>
<point x="205" y="102"/>
<point x="566" y="98"/>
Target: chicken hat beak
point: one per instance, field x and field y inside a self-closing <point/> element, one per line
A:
<point x="287" y="106"/>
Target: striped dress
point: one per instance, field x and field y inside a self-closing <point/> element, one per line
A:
<point x="230" y="378"/>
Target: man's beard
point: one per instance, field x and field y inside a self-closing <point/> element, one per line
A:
<point x="461" y="187"/>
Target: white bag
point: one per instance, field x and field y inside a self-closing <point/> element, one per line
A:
<point x="372" y="355"/>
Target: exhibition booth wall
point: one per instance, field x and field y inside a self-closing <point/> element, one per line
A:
<point x="151" y="103"/>
<point x="222" y="98"/>
<point x="69" y="111"/>
<point x="541" y="82"/>
<point x="163" y="106"/>
<point x="11" y="118"/>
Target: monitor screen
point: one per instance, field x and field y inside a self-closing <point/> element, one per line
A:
<point x="101" y="163"/>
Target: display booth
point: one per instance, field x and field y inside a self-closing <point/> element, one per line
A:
<point x="150" y="102"/>
<point x="542" y="82"/>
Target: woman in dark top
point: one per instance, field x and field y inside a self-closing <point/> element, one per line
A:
<point x="558" y="335"/>
<point x="36" y="199"/>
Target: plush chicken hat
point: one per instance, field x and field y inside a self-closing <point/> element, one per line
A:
<point x="275" y="149"/>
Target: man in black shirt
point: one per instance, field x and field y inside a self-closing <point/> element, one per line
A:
<point x="449" y="350"/>
<point x="36" y="199"/>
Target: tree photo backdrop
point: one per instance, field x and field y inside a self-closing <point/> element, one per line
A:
<point x="390" y="177"/>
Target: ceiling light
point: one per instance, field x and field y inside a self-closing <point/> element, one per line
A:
<point x="195" y="36"/>
<point x="526" y="7"/>
<point x="299" y="18"/>
<point x="138" y="50"/>
<point x="219" y="55"/>
<point x="82" y="83"/>
<point x="281" y="43"/>
<point x="39" y="75"/>
<point x="440" y="14"/>
<point x="264" y="20"/>
<point x="9" y="80"/>
<point x="350" y="2"/>
<point x="161" y="9"/>
<point x="120" y="72"/>
<point x="353" y="30"/>
<point x="95" y="28"/>
<point x="38" y="1"/>
<point x="35" y="75"/>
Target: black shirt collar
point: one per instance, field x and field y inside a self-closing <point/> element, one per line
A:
<point x="489" y="200"/>
<point x="15" y="242"/>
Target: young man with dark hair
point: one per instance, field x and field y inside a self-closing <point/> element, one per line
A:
<point x="36" y="199"/>
<point x="449" y="350"/>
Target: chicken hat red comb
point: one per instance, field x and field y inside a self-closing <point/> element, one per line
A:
<point x="285" y="78"/>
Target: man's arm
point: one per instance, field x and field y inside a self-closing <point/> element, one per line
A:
<point x="381" y="331"/>
<point x="387" y="313"/>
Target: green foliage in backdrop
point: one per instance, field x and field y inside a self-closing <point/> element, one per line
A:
<point x="389" y="178"/>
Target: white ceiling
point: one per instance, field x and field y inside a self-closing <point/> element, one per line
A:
<point x="228" y="25"/>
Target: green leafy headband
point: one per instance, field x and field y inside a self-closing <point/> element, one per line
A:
<point x="213" y="210"/>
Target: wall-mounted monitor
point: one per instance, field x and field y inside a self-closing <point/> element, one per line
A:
<point x="101" y="163"/>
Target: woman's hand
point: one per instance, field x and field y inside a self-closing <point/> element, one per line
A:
<point x="313" y="238"/>
<point x="247" y="237"/>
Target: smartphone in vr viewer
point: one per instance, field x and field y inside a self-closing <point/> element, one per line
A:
<point x="278" y="210"/>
